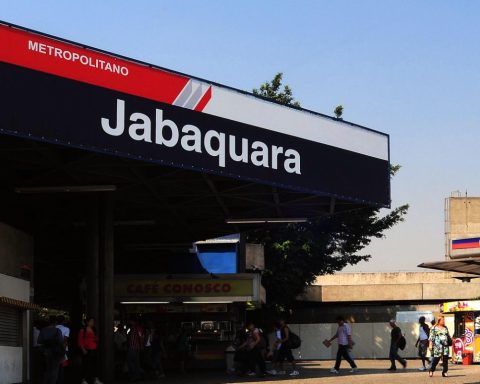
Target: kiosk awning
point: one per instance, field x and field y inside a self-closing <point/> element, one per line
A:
<point x="18" y="303"/>
<point x="468" y="265"/>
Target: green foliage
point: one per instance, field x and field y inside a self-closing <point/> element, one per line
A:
<point x="273" y="90"/>
<point x="296" y="254"/>
<point x="394" y="168"/>
<point x="338" y="111"/>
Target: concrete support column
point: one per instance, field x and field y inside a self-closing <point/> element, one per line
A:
<point x="106" y="287"/>
<point x="93" y="258"/>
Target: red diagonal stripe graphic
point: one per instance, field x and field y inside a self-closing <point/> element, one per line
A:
<point x="204" y="100"/>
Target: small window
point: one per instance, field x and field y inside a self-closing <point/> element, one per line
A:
<point x="10" y="326"/>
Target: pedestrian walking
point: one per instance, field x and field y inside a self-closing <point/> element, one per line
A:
<point x="345" y="344"/>
<point x="241" y="354"/>
<point x="38" y="359"/>
<point x="66" y="335"/>
<point x="277" y="363"/>
<point x="147" y="354"/>
<point x="135" y="345"/>
<point x="285" y="350"/>
<point x="183" y="348"/>
<point x="120" y="345"/>
<point x="439" y="342"/>
<point x="253" y="346"/>
<point x="88" y="343"/>
<point x="422" y="342"/>
<point x="158" y="353"/>
<point x="395" y="339"/>
<point x="51" y="340"/>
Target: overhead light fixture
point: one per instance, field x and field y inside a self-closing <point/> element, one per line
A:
<point x="267" y="220"/>
<point x="67" y="189"/>
<point x="122" y="223"/>
<point x="207" y="302"/>
<point x="144" y="302"/>
<point x="127" y="223"/>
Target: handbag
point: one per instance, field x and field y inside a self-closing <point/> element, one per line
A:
<point x="449" y="340"/>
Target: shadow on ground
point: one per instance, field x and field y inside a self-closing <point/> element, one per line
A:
<point x="308" y="370"/>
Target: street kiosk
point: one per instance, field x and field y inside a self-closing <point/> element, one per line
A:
<point x="466" y="336"/>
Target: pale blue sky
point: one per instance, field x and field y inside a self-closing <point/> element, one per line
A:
<point x="407" y="68"/>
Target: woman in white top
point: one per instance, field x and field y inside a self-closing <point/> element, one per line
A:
<point x="422" y="342"/>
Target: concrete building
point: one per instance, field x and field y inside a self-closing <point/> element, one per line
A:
<point x="16" y="252"/>
<point x="369" y="301"/>
<point x="462" y="236"/>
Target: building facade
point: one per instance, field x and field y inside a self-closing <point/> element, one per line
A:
<point x="368" y="301"/>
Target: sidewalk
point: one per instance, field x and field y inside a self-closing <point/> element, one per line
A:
<point x="370" y="371"/>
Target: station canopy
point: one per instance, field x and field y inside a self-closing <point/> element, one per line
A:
<point x="184" y="155"/>
<point x="468" y="265"/>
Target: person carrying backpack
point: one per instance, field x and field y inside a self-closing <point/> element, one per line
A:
<point x="53" y="350"/>
<point x="286" y="346"/>
<point x="395" y="343"/>
<point x="253" y="346"/>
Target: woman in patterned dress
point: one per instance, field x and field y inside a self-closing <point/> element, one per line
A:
<point x="438" y="345"/>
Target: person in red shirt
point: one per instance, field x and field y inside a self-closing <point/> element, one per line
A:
<point x="87" y="341"/>
<point x="135" y="345"/>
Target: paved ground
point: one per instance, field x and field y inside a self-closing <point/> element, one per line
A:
<point x="371" y="371"/>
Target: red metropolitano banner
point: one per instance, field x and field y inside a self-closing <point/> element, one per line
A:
<point x="74" y="62"/>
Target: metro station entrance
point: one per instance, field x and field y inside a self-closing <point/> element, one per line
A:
<point x="114" y="173"/>
<point x="209" y="310"/>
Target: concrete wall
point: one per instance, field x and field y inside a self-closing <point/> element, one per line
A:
<point x="14" y="288"/>
<point x="14" y="360"/>
<point x="372" y="340"/>
<point x="462" y="221"/>
<point x="367" y="278"/>
<point x="390" y="286"/>
<point x="463" y="216"/>
<point x="16" y="250"/>
<point x="11" y="365"/>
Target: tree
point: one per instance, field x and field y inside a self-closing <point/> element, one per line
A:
<point x="296" y="254"/>
<point x="272" y="90"/>
<point x="338" y="111"/>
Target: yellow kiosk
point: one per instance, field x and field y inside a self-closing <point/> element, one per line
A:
<point x="466" y="336"/>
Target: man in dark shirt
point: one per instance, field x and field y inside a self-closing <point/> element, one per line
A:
<point x="51" y="340"/>
<point x="396" y="335"/>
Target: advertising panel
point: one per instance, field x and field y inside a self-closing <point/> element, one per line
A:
<point x="184" y="288"/>
<point x="469" y="336"/>
<point x="138" y="289"/>
<point x="68" y="94"/>
<point x="458" y="349"/>
<point x="461" y="306"/>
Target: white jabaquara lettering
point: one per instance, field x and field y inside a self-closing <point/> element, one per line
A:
<point x="216" y="144"/>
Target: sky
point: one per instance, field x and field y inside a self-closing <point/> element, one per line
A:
<point x="407" y="68"/>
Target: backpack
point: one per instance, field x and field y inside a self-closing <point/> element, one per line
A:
<point x="55" y="345"/>
<point x="402" y="342"/>
<point x="294" y="341"/>
<point x="262" y="344"/>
